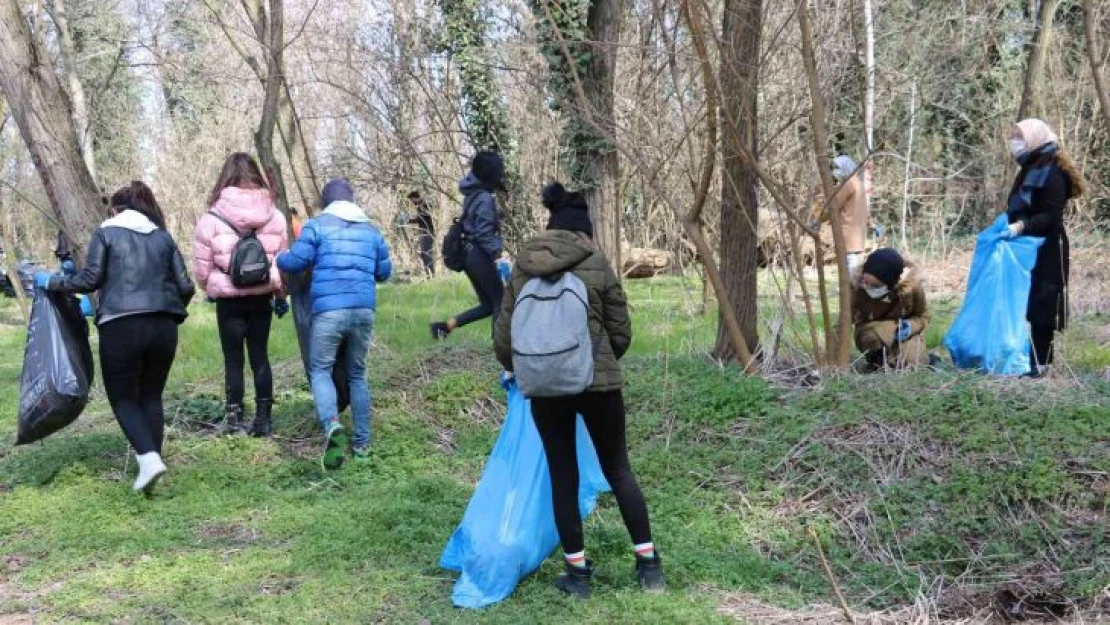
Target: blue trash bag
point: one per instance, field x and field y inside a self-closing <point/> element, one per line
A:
<point x="990" y="333"/>
<point x="508" y="529"/>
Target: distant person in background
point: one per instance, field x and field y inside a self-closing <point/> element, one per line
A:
<point x="348" y="257"/>
<point x="851" y="203"/>
<point x="425" y="232"/>
<point x="144" y="291"/>
<point x="890" y="313"/>
<point x="481" y="224"/>
<point x="1041" y="190"/>
<point x="242" y="204"/>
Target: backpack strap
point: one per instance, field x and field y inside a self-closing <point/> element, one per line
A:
<point x="226" y="223"/>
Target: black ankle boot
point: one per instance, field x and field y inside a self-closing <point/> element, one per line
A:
<point x="575" y="581"/>
<point x="650" y="572"/>
<point x="263" y="424"/>
<point x="233" y="419"/>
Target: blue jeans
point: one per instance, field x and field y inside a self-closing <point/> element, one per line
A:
<point x="329" y="331"/>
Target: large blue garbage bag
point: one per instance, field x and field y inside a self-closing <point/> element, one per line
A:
<point x="508" y="529"/>
<point x="990" y="333"/>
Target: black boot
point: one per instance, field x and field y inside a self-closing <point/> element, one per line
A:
<point x="263" y="425"/>
<point x="575" y="581"/>
<point x="650" y="572"/>
<point x="233" y="419"/>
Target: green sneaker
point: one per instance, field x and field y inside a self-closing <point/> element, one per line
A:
<point x="335" y="447"/>
<point x="361" y="455"/>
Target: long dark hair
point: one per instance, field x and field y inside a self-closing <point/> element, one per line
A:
<point x="240" y="170"/>
<point x="138" y="197"/>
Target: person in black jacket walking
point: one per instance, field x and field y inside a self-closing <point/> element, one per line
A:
<point x="481" y="226"/>
<point x="1041" y="190"/>
<point x="144" y="291"/>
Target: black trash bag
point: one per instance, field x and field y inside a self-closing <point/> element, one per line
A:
<point x="57" y="367"/>
<point x="300" y="302"/>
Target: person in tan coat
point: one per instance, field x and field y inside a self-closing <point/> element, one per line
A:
<point x="851" y="203"/>
<point x="890" y="313"/>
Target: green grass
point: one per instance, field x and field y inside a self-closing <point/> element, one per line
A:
<point x="906" y="478"/>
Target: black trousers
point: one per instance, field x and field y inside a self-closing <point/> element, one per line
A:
<point x="603" y="414"/>
<point x="1042" y="338"/>
<point x="246" y="320"/>
<point x="426" y="246"/>
<point x="136" y="354"/>
<point x="482" y="271"/>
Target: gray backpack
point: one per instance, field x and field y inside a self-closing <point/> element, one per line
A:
<point x="553" y="353"/>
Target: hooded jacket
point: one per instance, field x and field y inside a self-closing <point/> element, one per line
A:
<point x="480" y="220"/>
<point x="347" y="255"/>
<point x="137" y="268"/>
<point x="555" y="252"/>
<point x="905" y="301"/>
<point x="249" y="210"/>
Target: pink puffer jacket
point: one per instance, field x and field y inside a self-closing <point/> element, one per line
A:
<point x="213" y="241"/>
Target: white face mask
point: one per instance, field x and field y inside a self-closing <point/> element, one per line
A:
<point x="876" y="292"/>
<point x="1017" y="147"/>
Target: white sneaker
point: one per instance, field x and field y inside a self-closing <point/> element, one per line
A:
<point x="151" y="468"/>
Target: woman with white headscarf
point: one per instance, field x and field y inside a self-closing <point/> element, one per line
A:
<point x="851" y="203"/>
<point x="1041" y="190"/>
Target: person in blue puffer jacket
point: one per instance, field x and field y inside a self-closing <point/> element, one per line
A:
<point x="348" y="257"/>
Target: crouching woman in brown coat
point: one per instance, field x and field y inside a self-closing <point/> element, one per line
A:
<point x="889" y="312"/>
<point x="567" y="245"/>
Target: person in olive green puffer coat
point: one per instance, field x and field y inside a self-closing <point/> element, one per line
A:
<point x="568" y="245"/>
<point x="552" y="253"/>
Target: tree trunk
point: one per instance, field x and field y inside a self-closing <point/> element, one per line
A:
<point x="601" y="165"/>
<point x="869" y="100"/>
<point x="73" y="80"/>
<point x="820" y="147"/>
<point x="41" y="109"/>
<point x="1095" y="59"/>
<point x="1031" y="104"/>
<point x="739" y="77"/>
<point x="269" y="27"/>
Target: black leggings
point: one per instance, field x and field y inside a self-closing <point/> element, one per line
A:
<point x="246" y="319"/>
<point x="487" y="286"/>
<point x="603" y="414"/>
<point x="136" y="353"/>
<point x="1042" y="352"/>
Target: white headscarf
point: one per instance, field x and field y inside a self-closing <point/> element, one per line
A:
<point x="1036" y="133"/>
<point x="843" y="166"/>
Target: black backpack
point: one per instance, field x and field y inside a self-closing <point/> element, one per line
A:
<point x="456" y="244"/>
<point x="250" y="265"/>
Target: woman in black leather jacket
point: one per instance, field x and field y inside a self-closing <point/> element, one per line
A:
<point x="144" y="291"/>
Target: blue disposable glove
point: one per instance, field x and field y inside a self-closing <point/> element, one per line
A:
<point x="69" y="268"/>
<point x="42" y="279"/>
<point x="281" y="307"/>
<point x="504" y="268"/>
<point x="878" y="229"/>
<point x="86" y="305"/>
<point x="904" y="331"/>
<point x="507" y="380"/>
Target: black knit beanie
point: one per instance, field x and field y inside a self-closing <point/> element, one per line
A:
<point x="569" y="211"/>
<point x="886" y="265"/>
<point x="489" y="169"/>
